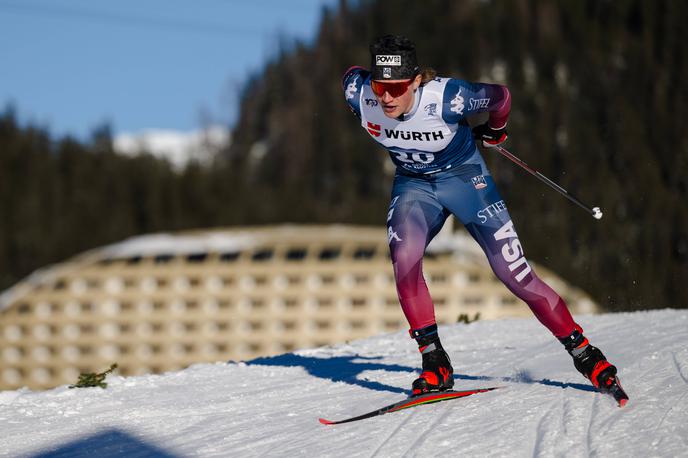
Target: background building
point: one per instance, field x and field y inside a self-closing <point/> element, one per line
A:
<point x="161" y="302"/>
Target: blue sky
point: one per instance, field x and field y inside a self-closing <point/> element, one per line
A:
<point x="70" y="65"/>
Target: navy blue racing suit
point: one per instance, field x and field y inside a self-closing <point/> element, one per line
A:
<point x="441" y="172"/>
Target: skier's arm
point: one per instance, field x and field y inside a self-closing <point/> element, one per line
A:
<point x="463" y="98"/>
<point x="352" y="82"/>
<point x="494" y="99"/>
<point x="500" y="106"/>
<point x="493" y="132"/>
<point x="351" y="73"/>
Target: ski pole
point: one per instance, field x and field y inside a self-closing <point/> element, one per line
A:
<point x="595" y="211"/>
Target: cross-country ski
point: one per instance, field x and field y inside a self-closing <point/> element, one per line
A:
<point x="413" y="401"/>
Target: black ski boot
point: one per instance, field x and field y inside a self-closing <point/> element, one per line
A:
<point x="438" y="374"/>
<point x="590" y="361"/>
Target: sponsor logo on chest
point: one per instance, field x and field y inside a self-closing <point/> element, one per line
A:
<point x="431" y="109"/>
<point x="374" y="129"/>
<point x="377" y="131"/>
<point x="414" y="135"/>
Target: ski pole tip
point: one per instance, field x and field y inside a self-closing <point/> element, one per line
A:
<point x="597" y="213"/>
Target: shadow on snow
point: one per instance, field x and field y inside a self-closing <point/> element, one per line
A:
<point x="338" y="368"/>
<point x="347" y="369"/>
<point x="104" y="444"/>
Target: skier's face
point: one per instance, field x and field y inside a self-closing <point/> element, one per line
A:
<point x="395" y="96"/>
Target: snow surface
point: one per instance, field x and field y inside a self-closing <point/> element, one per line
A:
<point x="178" y="147"/>
<point x="270" y="406"/>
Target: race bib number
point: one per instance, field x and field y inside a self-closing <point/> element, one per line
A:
<point x="414" y="158"/>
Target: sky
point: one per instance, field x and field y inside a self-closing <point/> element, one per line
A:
<point x="72" y="65"/>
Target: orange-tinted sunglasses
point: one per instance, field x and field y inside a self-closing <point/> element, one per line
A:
<point x="396" y="89"/>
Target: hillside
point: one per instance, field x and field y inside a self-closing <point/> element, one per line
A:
<point x="270" y="406"/>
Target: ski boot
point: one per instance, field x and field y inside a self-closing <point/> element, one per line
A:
<point x="591" y="362"/>
<point x="438" y="374"/>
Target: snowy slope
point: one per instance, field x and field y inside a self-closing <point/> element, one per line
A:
<point x="178" y="147"/>
<point x="270" y="406"/>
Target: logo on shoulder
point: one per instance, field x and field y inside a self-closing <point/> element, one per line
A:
<point x="371" y="102"/>
<point x="457" y="105"/>
<point x="351" y="88"/>
<point x="431" y="109"/>
<point x="388" y="60"/>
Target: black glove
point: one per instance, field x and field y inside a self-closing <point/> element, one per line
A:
<point x="489" y="136"/>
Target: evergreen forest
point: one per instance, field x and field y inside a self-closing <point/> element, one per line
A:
<point x="598" y="103"/>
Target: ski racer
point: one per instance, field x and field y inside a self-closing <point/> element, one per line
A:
<point x="421" y="119"/>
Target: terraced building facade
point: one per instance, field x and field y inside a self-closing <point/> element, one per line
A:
<point x="162" y="302"/>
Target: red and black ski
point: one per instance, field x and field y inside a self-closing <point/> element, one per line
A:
<point x="413" y="401"/>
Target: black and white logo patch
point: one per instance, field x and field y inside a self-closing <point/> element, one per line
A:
<point x="385" y="59"/>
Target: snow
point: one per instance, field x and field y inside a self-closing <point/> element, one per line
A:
<point x="178" y="147"/>
<point x="270" y="406"/>
<point x="155" y="244"/>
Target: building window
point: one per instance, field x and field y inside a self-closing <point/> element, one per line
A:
<point x="263" y="255"/>
<point x="163" y="258"/>
<point x="296" y="254"/>
<point x="229" y="256"/>
<point x="197" y="257"/>
<point x="329" y="254"/>
<point x="364" y="253"/>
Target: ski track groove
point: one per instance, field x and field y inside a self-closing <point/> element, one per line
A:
<point x="411" y="414"/>
<point x="563" y="414"/>
<point x="537" y="442"/>
<point x="565" y="408"/>
<point x="668" y="411"/>
<point x="541" y="429"/>
<point x="588" y="439"/>
<point x="422" y="437"/>
<point x="678" y="368"/>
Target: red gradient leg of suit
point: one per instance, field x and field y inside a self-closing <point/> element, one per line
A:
<point x="418" y="210"/>
<point x="411" y="224"/>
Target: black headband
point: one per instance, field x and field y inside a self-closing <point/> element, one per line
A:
<point x="393" y="57"/>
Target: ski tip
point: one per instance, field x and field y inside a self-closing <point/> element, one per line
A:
<point x="325" y="422"/>
<point x="622" y="402"/>
<point x="495" y="388"/>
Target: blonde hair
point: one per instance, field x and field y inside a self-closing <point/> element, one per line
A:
<point x="427" y="74"/>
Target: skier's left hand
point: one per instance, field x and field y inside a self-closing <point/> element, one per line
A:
<point x="489" y="136"/>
